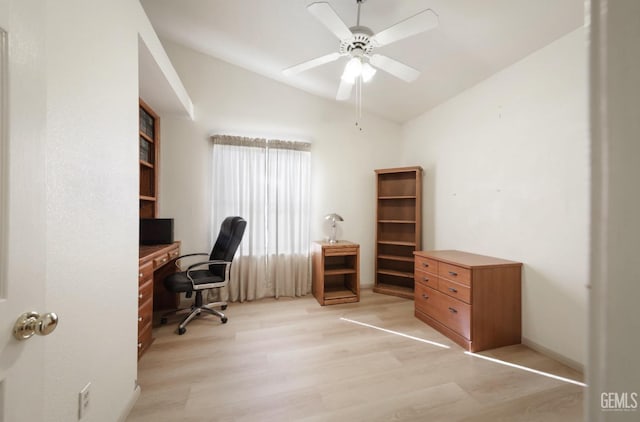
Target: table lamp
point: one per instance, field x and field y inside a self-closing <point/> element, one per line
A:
<point x="333" y="217"/>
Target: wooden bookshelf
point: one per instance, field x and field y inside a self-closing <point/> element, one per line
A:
<point x="149" y="142"/>
<point x="398" y="229"/>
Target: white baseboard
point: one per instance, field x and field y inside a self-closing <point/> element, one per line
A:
<point x="553" y="355"/>
<point x="129" y="407"/>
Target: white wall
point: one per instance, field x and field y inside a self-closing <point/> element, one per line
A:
<point x="507" y="174"/>
<point x="231" y="100"/>
<point x="91" y="205"/>
<point x="615" y="287"/>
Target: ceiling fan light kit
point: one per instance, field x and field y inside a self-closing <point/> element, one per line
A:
<point x="355" y="68"/>
<point x="359" y="42"/>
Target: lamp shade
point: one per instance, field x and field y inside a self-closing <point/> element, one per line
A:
<point x="367" y="72"/>
<point x="333" y="217"/>
<point x="352" y="70"/>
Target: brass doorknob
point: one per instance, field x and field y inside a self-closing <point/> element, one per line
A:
<point x="31" y="323"/>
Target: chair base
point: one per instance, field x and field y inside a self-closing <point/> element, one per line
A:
<point x="195" y="311"/>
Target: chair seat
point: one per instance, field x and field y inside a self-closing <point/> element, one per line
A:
<point x="179" y="283"/>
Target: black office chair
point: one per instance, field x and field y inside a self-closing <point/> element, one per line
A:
<point x="205" y="275"/>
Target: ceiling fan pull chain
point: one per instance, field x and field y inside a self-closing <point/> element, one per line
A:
<point x="358" y="102"/>
<point x="359" y="98"/>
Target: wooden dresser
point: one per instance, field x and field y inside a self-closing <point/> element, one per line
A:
<point x="472" y="299"/>
<point x="155" y="263"/>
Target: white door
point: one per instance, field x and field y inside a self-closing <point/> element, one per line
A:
<point x="22" y="206"/>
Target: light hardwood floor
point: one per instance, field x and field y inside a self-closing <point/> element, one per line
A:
<point x="293" y="360"/>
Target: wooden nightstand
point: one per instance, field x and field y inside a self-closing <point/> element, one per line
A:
<point x="336" y="272"/>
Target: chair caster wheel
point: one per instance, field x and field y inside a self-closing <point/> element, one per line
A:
<point x="224" y="320"/>
<point x="223" y="307"/>
<point x="181" y="331"/>
<point x="163" y="320"/>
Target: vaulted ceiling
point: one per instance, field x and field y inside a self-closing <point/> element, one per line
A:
<point x="474" y="39"/>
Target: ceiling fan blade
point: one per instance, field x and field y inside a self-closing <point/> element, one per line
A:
<point x="311" y="64"/>
<point x="344" y="90"/>
<point x="325" y="14"/>
<point x="420" y="22"/>
<point x="394" y="67"/>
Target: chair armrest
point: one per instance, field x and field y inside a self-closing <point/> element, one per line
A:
<point x="177" y="261"/>
<point x="191" y="267"/>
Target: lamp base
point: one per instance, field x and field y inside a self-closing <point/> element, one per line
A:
<point x="332" y="238"/>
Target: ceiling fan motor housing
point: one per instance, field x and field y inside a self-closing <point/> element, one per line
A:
<point x="360" y="44"/>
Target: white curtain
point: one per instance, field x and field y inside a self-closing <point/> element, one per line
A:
<point x="267" y="183"/>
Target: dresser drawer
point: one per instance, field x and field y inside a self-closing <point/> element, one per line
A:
<point x="145" y="314"/>
<point x="340" y="251"/>
<point x="426" y="264"/>
<point x="426" y="279"/>
<point x="174" y="253"/>
<point x="145" y="272"/>
<point x="448" y="311"/>
<point x="453" y="289"/>
<point x="423" y="298"/>
<point x="160" y="260"/>
<point x="454" y="272"/>
<point x="145" y="292"/>
<point x="144" y="340"/>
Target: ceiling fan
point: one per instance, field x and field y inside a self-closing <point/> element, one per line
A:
<point x="359" y="43"/>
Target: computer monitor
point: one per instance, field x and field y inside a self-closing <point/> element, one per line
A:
<point x="156" y="231"/>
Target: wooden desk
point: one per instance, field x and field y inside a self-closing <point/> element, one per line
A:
<point x="155" y="263"/>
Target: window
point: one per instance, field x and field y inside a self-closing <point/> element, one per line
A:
<point x="267" y="183"/>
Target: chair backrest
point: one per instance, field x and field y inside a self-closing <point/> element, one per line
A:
<point x="229" y="238"/>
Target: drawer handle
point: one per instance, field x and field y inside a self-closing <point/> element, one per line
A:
<point x="139" y="319"/>
<point x="451" y="289"/>
<point x="141" y="275"/>
<point x="453" y="273"/>
<point x="424" y="264"/>
<point x="424" y="296"/>
<point x="139" y="345"/>
<point x="140" y="296"/>
<point x="453" y="310"/>
<point x="425" y="279"/>
<point x="164" y="259"/>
